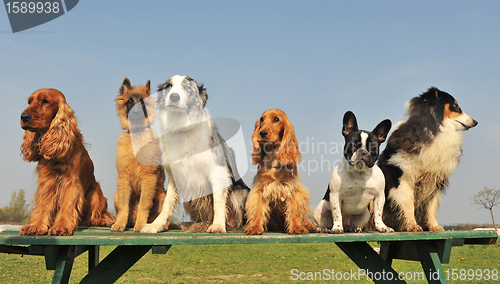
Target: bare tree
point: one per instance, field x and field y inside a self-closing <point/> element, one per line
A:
<point x="487" y="199"/>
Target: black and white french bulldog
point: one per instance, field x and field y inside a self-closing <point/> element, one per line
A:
<point x="355" y="182"/>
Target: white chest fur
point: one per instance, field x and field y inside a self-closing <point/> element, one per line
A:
<point x="355" y="189"/>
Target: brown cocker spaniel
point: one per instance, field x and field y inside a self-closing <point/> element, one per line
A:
<point x="68" y="194"/>
<point x="278" y="200"/>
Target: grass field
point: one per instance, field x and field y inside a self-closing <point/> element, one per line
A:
<point x="259" y="263"/>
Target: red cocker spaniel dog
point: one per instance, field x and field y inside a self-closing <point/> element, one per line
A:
<point x="68" y="194"/>
<point x="278" y="200"/>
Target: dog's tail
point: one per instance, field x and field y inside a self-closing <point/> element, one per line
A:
<point x="236" y="204"/>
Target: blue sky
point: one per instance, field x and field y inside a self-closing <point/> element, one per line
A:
<point x="315" y="60"/>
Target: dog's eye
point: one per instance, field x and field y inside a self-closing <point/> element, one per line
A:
<point x="44" y="102"/>
<point x="261" y="119"/>
<point x="276" y="119"/>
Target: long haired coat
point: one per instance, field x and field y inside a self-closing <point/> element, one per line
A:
<point x="140" y="192"/>
<point x="68" y="194"/>
<point x="278" y="200"/>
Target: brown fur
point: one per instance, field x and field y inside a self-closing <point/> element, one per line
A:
<point x="67" y="194"/>
<point x="140" y="193"/>
<point x="278" y="200"/>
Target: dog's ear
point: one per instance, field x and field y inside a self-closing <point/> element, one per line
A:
<point x="289" y="153"/>
<point x="256" y="154"/>
<point x="62" y="137"/>
<point x="203" y="94"/>
<point x="148" y="86"/>
<point x="30" y="148"/>
<point x="121" y="110"/>
<point x="350" y="124"/>
<point x="126" y="86"/>
<point x="382" y="129"/>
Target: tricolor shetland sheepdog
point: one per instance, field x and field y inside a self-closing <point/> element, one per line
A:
<point x="422" y="152"/>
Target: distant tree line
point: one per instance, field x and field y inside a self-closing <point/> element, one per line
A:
<point x="17" y="210"/>
<point x="465" y="226"/>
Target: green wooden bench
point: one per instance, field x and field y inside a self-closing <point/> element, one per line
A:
<point x="431" y="249"/>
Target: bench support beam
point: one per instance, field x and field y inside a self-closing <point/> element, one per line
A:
<point x="115" y="264"/>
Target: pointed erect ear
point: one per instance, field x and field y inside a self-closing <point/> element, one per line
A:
<point x="350" y="123"/>
<point x="148" y="84"/>
<point x="382" y="129"/>
<point x="126" y="86"/>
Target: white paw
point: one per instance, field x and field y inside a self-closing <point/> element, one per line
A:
<point x="151" y="228"/>
<point x="337" y="230"/>
<point x="217" y="229"/>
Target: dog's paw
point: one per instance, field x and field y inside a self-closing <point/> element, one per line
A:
<point x="414" y="228"/>
<point x="298" y="230"/>
<point x="60" y="231"/>
<point x="103" y="220"/>
<point x="106" y="221"/>
<point x="355" y="229"/>
<point x="336" y="231"/>
<point x="117" y="228"/>
<point x="322" y="230"/>
<point x="151" y="229"/>
<point x="436" y="229"/>
<point x="138" y="227"/>
<point x="254" y="230"/>
<point x="310" y="226"/>
<point x="31" y="230"/>
<point x="385" y="229"/>
<point x="217" y="229"/>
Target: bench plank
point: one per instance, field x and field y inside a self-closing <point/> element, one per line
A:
<point x="430" y="248"/>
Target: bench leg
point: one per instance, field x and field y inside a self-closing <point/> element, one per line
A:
<point x="372" y="263"/>
<point x="115" y="264"/>
<point x="64" y="264"/>
<point x="93" y="256"/>
<point x="431" y="263"/>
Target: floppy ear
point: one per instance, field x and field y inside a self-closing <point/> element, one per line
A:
<point x="62" y="135"/>
<point x="382" y="129"/>
<point x="203" y="94"/>
<point x="256" y="154"/>
<point x="288" y="153"/>
<point x="350" y="124"/>
<point x="30" y="149"/>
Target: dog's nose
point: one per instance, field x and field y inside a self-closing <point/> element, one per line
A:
<point x="363" y="152"/>
<point x="25" y="117"/>
<point x="174" y="97"/>
<point x="474" y="122"/>
<point x="263" y="133"/>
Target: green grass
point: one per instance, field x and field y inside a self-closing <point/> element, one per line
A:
<point x="259" y="263"/>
